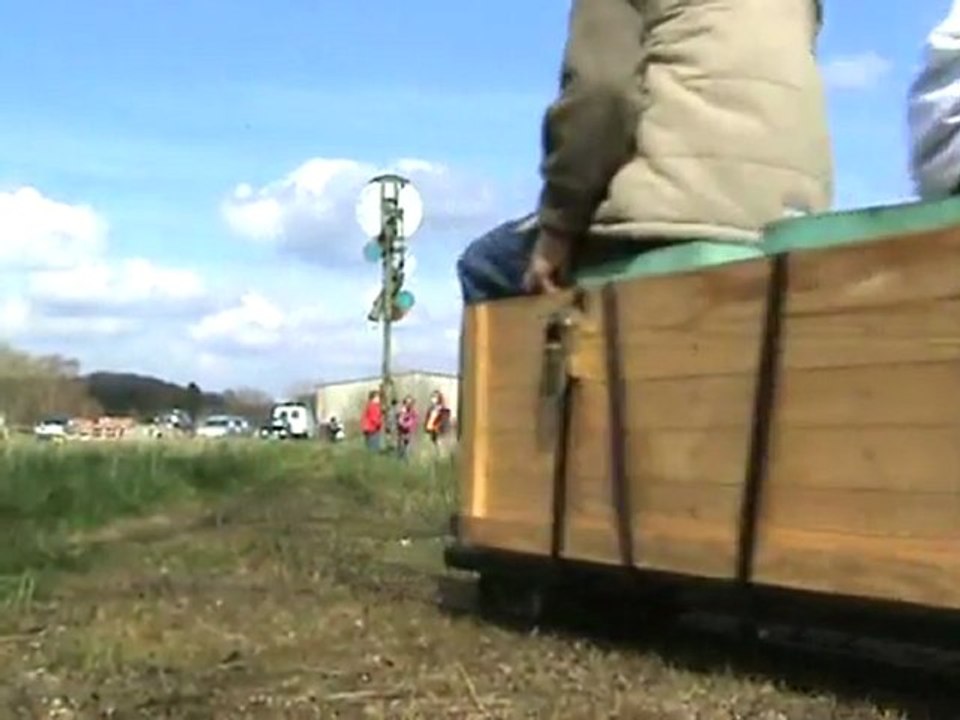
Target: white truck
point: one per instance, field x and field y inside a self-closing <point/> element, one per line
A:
<point x="293" y="420"/>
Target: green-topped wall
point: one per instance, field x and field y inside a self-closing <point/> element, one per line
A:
<point x="792" y="235"/>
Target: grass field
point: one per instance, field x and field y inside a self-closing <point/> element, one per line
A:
<point x="275" y="580"/>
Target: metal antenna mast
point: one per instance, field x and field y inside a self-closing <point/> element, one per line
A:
<point x="390" y="212"/>
<point x="391" y="242"/>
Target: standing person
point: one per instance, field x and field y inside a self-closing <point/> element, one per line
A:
<point x="371" y="422"/>
<point x="437" y="421"/>
<point x="675" y="121"/>
<point x="933" y="113"/>
<point x="406" y="425"/>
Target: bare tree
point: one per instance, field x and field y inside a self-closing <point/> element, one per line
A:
<point x="32" y="386"/>
<point x="248" y="402"/>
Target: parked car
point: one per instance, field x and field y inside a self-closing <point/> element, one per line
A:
<point x="173" y="421"/>
<point x="52" y="428"/>
<point x="275" y="429"/>
<point x="219" y="426"/>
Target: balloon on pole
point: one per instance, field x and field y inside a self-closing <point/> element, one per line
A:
<point x="372" y="252"/>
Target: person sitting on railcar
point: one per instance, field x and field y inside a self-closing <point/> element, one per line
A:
<point x="675" y="121"/>
<point x="934" y="113"/>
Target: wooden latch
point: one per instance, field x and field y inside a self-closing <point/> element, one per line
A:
<point x="573" y="350"/>
<point x="556" y="348"/>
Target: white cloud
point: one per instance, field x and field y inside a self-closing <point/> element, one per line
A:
<point x="254" y="323"/>
<point x="22" y="319"/>
<point x="104" y="284"/>
<point x="84" y="327"/>
<point x="14" y="315"/>
<point x="291" y="322"/>
<point x="62" y="286"/>
<point x="311" y="211"/>
<point x="314" y="340"/>
<point x="310" y="214"/>
<point x="38" y="232"/>
<point x="857" y="71"/>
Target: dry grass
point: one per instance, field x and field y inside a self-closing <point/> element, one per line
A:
<point x="315" y="595"/>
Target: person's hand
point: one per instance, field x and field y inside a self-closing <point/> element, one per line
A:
<point x="549" y="262"/>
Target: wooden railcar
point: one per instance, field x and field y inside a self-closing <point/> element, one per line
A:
<point x="783" y="418"/>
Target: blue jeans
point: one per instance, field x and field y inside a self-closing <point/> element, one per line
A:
<point x="493" y="265"/>
<point x="403" y="446"/>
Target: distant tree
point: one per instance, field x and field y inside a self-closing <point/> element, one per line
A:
<point x="304" y="392"/>
<point x="32" y="386"/>
<point x="248" y="402"/>
<point x="300" y="391"/>
<point x="141" y="396"/>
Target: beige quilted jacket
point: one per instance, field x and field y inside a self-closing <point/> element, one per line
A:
<point x="687" y="119"/>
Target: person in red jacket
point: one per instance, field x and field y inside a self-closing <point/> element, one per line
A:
<point x="371" y="422"/>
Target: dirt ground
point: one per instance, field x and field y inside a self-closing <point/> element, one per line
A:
<point x="289" y="607"/>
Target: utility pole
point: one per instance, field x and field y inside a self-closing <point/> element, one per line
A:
<point x="392" y="249"/>
<point x="390" y="212"/>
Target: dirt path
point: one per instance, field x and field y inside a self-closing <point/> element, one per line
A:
<point x="280" y="610"/>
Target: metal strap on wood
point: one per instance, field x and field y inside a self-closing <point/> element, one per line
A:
<point x="764" y="401"/>
<point x="558" y="527"/>
<point x="556" y="394"/>
<point x="572" y="352"/>
<point x="616" y="426"/>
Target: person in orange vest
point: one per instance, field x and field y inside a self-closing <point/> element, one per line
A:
<point x="437" y="421"/>
<point x="371" y="422"/>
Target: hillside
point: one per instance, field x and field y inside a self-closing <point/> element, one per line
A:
<point x="145" y="396"/>
<point x="142" y="395"/>
<point x="32" y="386"/>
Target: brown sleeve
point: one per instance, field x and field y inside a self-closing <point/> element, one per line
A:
<point x="588" y="131"/>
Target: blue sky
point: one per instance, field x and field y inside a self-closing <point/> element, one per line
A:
<point x="147" y="116"/>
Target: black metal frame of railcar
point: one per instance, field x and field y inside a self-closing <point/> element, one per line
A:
<point x="753" y="604"/>
<point x="740" y="595"/>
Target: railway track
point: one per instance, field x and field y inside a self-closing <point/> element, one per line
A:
<point x="707" y="640"/>
<point x="791" y="643"/>
<point x="804" y="655"/>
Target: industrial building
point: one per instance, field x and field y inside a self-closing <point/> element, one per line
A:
<point x="345" y="399"/>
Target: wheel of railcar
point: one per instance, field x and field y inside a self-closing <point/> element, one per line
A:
<point x="749" y="631"/>
<point x="511" y="598"/>
<point x="663" y="608"/>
